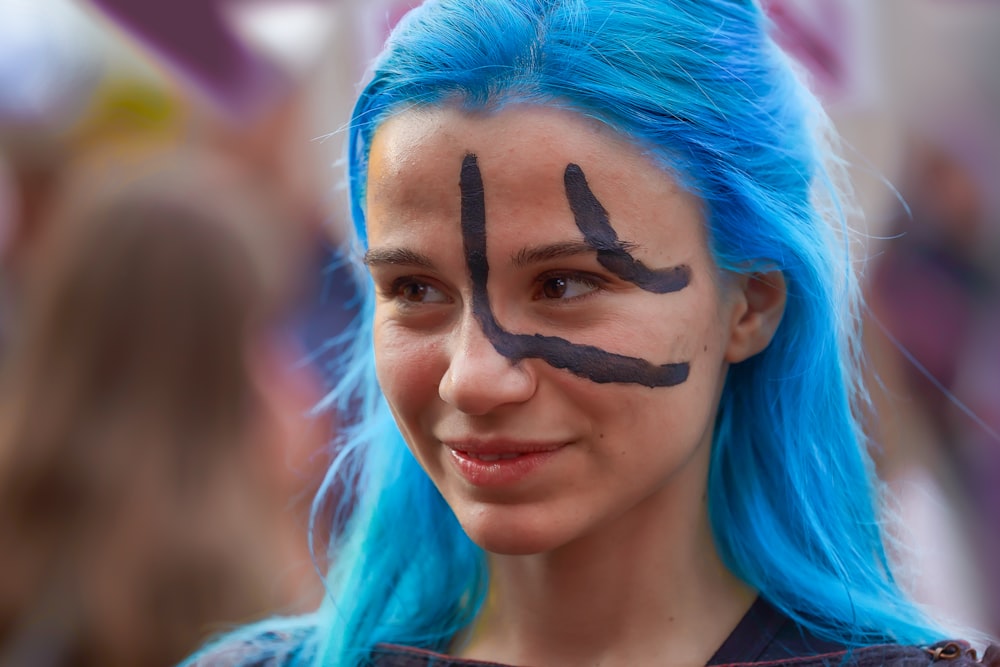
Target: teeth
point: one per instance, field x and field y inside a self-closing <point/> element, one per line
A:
<point x="493" y="457"/>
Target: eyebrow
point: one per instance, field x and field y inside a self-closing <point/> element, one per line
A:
<point x="396" y="256"/>
<point x="520" y="259"/>
<point x="544" y="253"/>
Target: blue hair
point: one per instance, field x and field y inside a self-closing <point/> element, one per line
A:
<point x="700" y="87"/>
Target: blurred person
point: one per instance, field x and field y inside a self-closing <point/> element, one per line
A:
<point x="67" y="90"/>
<point x="261" y="81"/>
<point x="933" y="295"/>
<point x="151" y="428"/>
<point x="933" y="288"/>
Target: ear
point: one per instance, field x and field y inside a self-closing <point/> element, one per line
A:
<point x="759" y="303"/>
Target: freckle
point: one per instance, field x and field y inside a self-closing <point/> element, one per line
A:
<point x="706" y="348"/>
<point x="670" y="620"/>
<point x="601" y="436"/>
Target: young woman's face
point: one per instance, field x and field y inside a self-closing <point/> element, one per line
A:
<point x="550" y="331"/>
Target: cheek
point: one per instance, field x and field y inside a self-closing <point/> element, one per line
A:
<point x="689" y="333"/>
<point x="698" y="326"/>
<point x="700" y="341"/>
<point x="672" y="328"/>
<point x="407" y="366"/>
<point x="649" y="433"/>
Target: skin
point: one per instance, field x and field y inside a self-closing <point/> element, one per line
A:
<point x="602" y="554"/>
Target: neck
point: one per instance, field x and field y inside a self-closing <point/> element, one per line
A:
<point x="626" y="595"/>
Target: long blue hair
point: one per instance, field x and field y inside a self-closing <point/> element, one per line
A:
<point x="700" y="87"/>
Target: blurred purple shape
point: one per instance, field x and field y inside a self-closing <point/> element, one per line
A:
<point x="193" y="36"/>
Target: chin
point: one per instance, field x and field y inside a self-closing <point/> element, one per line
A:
<point x="510" y="536"/>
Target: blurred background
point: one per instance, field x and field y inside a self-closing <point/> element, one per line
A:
<point x="171" y="202"/>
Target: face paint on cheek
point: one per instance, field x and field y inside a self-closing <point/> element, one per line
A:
<point x="585" y="361"/>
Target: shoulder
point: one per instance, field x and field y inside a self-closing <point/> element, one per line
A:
<point x="951" y="653"/>
<point x="768" y="637"/>
<point x="955" y="652"/>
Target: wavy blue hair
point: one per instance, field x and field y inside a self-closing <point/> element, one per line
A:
<point x="699" y="86"/>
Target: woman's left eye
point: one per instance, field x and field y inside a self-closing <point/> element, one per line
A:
<point x="565" y="287"/>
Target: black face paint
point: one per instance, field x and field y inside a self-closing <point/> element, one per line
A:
<point x="592" y="220"/>
<point x="585" y="361"/>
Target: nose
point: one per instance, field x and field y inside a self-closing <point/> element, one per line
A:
<point x="479" y="379"/>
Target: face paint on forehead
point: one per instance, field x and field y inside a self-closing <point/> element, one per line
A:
<point x="593" y="221"/>
<point x="586" y="361"/>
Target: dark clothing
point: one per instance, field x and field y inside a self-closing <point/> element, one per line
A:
<point x="873" y="656"/>
<point x="765" y="637"/>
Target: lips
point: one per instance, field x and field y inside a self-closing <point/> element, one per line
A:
<point x="507" y="456"/>
<point x="500" y="463"/>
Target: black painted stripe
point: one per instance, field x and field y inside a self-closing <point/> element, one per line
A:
<point x="585" y="361"/>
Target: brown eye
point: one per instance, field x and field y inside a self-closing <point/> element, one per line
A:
<point x="566" y="287"/>
<point x="554" y="288"/>
<point x="413" y="291"/>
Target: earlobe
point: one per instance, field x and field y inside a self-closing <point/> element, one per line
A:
<point x="757" y="312"/>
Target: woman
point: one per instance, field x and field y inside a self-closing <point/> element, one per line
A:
<point x="608" y="365"/>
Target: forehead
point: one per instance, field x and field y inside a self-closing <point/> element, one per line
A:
<point x="524" y="143"/>
<point x="496" y="134"/>
<point x="522" y="152"/>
